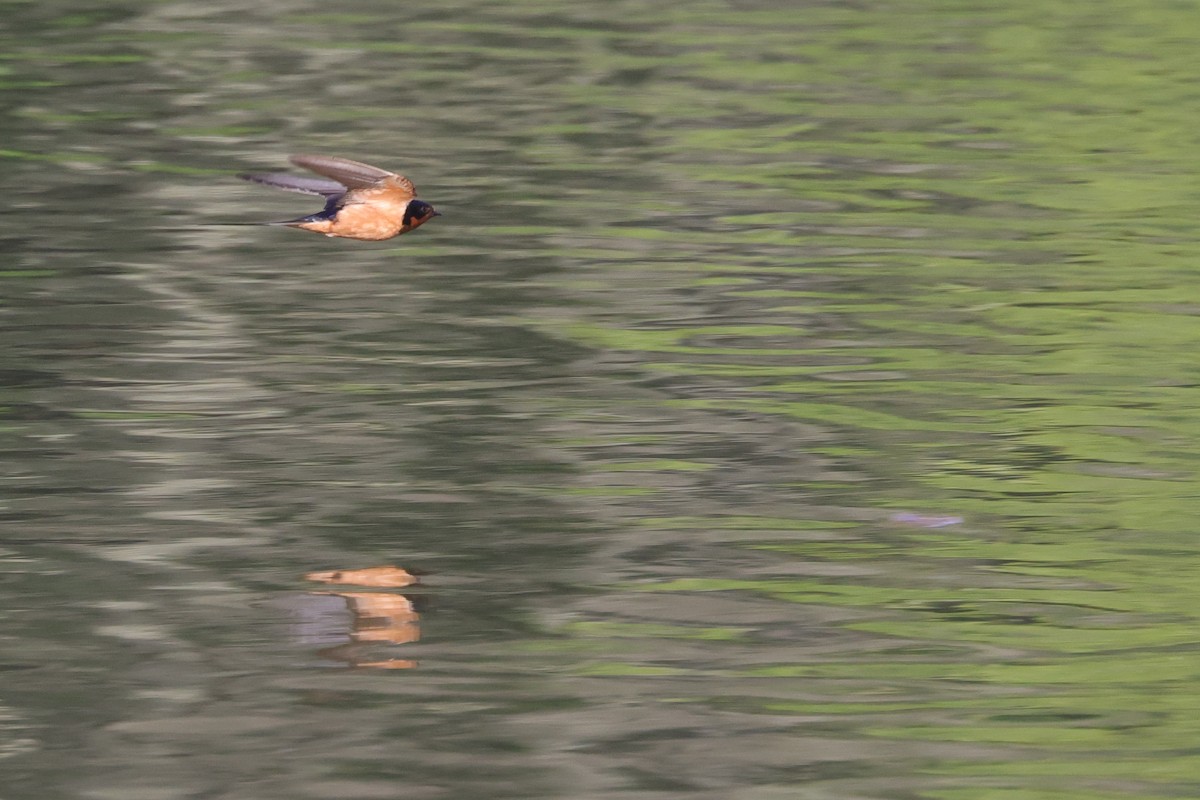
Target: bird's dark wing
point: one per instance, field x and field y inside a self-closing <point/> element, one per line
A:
<point x="296" y="183"/>
<point x="354" y="174"/>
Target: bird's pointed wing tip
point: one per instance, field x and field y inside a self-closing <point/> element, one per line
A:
<point x="303" y="184"/>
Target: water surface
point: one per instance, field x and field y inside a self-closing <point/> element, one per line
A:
<point x="792" y="402"/>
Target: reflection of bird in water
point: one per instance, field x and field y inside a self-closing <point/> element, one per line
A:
<point x="350" y="627"/>
<point x="361" y="201"/>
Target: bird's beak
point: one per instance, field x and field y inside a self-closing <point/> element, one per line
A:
<point x="437" y="213"/>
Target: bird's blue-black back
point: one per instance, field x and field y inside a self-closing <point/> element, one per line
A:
<point x="332" y="206"/>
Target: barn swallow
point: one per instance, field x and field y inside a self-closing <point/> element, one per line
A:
<point x="361" y="201"/>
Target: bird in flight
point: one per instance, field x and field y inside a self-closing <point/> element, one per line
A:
<point x="361" y="201"/>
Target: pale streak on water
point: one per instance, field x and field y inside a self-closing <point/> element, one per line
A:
<point x="773" y="411"/>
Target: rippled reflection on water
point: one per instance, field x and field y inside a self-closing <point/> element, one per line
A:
<point x="792" y="402"/>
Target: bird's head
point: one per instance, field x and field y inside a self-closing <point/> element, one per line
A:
<point x="418" y="212"/>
